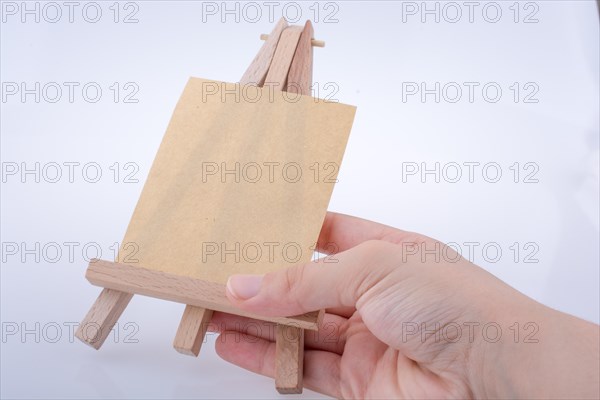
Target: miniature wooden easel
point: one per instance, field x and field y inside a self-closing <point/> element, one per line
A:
<point x="284" y="61"/>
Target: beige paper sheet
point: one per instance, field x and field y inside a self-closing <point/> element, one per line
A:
<point x="193" y="220"/>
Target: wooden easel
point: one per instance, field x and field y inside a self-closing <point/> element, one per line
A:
<point x="285" y="62"/>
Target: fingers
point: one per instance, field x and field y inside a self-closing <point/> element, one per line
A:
<point x="247" y="351"/>
<point x="321" y="368"/>
<point x="316" y="285"/>
<point x="341" y="232"/>
<point x="345" y="312"/>
<point x="331" y="335"/>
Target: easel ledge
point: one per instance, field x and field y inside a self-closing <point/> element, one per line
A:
<point x="135" y="279"/>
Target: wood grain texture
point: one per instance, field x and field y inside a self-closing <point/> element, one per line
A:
<point x="280" y="66"/>
<point x="299" y="78"/>
<point x="191" y="331"/>
<point x="182" y="289"/>
<point x="289" y="359"/>
<point x="100" y="319"/>
<point x="257" y="70"/>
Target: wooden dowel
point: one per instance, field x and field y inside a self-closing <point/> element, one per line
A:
<point x="314" y="42"/>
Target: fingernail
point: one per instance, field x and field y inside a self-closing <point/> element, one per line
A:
<point x="243" y="287"/>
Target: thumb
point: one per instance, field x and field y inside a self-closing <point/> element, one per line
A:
<point x="338" y="281"/>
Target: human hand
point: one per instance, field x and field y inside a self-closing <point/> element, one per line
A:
<point x="406" y="317"/>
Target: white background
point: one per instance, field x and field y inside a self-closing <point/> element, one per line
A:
<point x="371" y="52"/>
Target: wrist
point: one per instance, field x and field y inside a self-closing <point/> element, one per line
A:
<point x="542" y="353"/>
<point x="508" y="363"/>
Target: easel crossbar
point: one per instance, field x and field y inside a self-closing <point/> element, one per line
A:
<point x="136" y="279"/>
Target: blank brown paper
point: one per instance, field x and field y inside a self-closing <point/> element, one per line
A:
<point x="240" y="183"/>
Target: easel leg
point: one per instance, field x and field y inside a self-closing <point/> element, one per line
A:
<point x="96" y="326"/>
<point x="191" y="331"/>
<point x="289" y="359"/>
